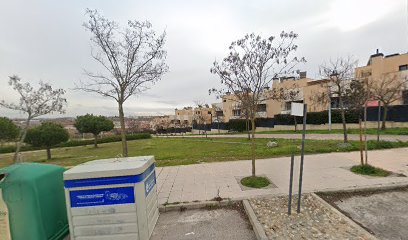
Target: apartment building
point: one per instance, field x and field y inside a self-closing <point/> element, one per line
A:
<point x="380" y="66"/>
<point x="184" y="116"/>
<point x="203" y="114"/>
<point x="304" y="90"/>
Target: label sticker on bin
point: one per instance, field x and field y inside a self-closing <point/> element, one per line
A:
<point x="150" y="182"/>
<point x="100" y="197"/>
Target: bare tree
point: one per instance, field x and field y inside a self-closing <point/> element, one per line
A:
<point x="293" y="96"/>
<point x="340" y="73"/>
<point x="34" y="103"/>
<point x="132" y="58"/>
<point x="251" y="65"/>
<point x="134" y="126"/>
<point x="200" y="118"/>
<point x="219" y="115"/>
<point x="388" y="89"/>
<point x="356" y="97"/>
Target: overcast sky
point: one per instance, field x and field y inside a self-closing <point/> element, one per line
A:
<point x="45" y="40"/>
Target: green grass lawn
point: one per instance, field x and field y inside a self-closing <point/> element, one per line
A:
<point x="371" y="131"/>
<point x="255" y="182"/>
<point x="180" y="151"/>
<point x="370" y="171"/>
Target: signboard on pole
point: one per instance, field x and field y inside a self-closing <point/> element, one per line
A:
<point x="296" y="109"/>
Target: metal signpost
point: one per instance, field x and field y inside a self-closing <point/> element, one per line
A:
<point x="298" y="109"/>
<point x="292" y="160"/>
<point x="302" y="156"/>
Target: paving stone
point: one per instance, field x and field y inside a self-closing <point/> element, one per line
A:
<point x="315" y="221"/>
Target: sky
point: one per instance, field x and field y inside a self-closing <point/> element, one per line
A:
<point x="45" y="40"/>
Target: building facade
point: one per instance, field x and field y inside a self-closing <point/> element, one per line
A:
<point x="380" y="67"/>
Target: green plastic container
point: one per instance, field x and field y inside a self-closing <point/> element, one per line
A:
<point x="32" y="202"/>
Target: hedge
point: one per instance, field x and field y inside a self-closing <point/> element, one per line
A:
<point x="318" y="118"/>
<point x="239" y="125"/>
<point x="74" y="143"/>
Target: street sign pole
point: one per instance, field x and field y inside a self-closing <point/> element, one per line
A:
<point x="302" y="155"/>
<point x="292" y="160"/>
<point x="330" y="122"/>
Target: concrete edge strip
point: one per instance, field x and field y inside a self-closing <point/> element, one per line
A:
<point x="256" y="225"/>
<point x="194" y="205"/>
<point x="381" y="186"/>
<point x="367" y="234"/>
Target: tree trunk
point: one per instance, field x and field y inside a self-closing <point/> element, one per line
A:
<point x="123" y="130"/>
<point x="361" y="141"/>
<point x="365" y="133"/>
<point x="384" y="116"/>
<point x="22" y="136"/>
<point x="343" y="119"/>
<point x="48" y="153"/>
<point x="247" y="129"/>
<point x="253" y="146"/>
<point x="95" y="140"/>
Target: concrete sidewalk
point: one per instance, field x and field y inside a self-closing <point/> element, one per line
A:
<point x="354" y="137"/>
<point x="207" y="181"/>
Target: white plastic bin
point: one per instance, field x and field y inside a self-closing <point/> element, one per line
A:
<point x="112" y="199"/>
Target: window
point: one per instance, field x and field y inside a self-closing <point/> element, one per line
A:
<point x="236" y="112"/>
<point x="405" y="97"/>
<point x="224" y="100"/>
<point x="403" y="67"/>
<point x="288" y="105"/>
<point x="365" y="74"/>
<point x="209" y="112"/>
<point x="261" y="108"/>
<point x="219" y="113"/>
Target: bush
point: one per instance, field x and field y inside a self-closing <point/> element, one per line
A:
<point x="287" y="119"/>
<point x="75" y="143"/>
<point x="238" y="125"/>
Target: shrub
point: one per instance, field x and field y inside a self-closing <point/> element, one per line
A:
<point x="318" y="117"/>
<point x="74" y="143"/>
<point x="238" y="125"/>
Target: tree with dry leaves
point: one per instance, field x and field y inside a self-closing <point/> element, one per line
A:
<point x="356" y="97"/>
<point x="34" y="103"/>
<point x="250" y="67"/>
<point x="388" y="89"/>
<point x="339" y="74"/>
<point x="132" y="59"/>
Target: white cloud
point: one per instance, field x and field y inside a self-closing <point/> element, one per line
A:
<point x="349" y="15"/>
<point x="45" y="41"/>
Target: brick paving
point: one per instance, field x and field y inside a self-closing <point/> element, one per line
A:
<point x="202" y="182"/>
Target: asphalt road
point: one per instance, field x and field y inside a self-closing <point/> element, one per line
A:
<point x="201" y="224"/>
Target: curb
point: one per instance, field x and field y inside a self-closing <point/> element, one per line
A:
<point x="194" y="205"/>
<point x="380" y="186"/>
<point x="366" y="234"/>
<point x="256" y="225"/>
